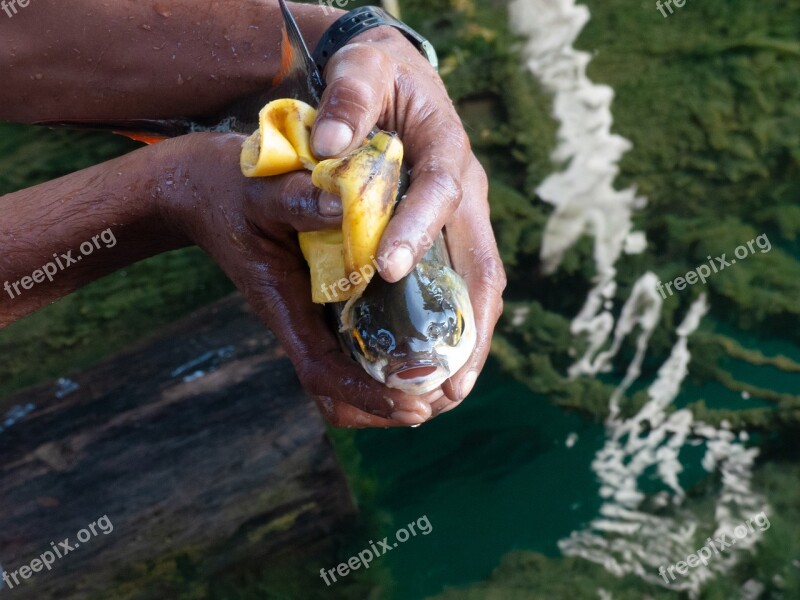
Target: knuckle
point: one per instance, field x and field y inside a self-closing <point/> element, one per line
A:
<point x="295" y="203"/>
<point x="492" y="275"/>
<point x="481" y="178"/>
<point x="443" y="185"/>
<point x="500" y="308"/>
<point x="296" y="197"/>
<point x="407" y="83"/>
<point x="286" y="200"/>
<point x="449" y="126"/>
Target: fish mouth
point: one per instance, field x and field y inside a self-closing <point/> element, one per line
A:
<point x="417" y="377"/>
<point x="416" y="372"/>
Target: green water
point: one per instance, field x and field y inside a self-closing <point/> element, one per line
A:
<point x="493" y="476"/>
<point x="496" y="476"/>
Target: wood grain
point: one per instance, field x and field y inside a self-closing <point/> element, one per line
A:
<point x="227" y="468"/>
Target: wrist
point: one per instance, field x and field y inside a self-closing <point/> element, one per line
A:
<point x="366" y="19"/>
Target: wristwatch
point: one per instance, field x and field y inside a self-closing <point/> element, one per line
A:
<point x="357" y="21"/>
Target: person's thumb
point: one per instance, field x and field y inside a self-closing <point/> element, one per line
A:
<point x="358" y="79"/>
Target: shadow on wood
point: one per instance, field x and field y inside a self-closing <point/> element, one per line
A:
<point x="199" y="445"/>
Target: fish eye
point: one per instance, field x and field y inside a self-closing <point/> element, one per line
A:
<point x="382" y="341"/>
<point x="435" y="331"/>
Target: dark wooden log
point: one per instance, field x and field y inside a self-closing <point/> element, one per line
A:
<point x="200" y="447"/>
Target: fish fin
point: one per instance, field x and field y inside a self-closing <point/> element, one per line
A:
<point x="298" y="76"/>
<point x="287" y="59"/>
<point x="140" y="130"/>
<point x="145" y="138"/>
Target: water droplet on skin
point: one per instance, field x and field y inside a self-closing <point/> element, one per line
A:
<point x="146" y="27"/>
<point x="180" y="79"/>
<point x="37" y="76"/>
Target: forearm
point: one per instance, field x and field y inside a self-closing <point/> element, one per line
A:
<point x="60" y="235"/>
<point x="146" y="59"/>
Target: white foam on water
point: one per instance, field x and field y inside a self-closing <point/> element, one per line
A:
<point x="633" y="534"/>
<point x="627" y="538"/>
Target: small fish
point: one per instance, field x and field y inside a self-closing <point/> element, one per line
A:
<point x="414" y="334"/>
<point x="411" y="335"/>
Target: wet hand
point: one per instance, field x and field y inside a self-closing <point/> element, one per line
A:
<point x="381" y="79"/>
<point x="249" y="227"/>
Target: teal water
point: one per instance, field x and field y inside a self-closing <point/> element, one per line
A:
<point x="492" y="476"/>
<point x="496" y="475"/>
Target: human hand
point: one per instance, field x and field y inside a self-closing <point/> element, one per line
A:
<point x="381" y="79"/>
<point x="249" y="227"/>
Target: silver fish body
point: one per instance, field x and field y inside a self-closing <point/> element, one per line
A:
<point x="414" y="334"/>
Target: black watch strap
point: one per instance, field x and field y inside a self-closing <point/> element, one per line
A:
<point x="357" y="21"/>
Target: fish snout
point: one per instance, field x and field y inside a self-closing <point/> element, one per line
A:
<point x="416" y="372"/>
<point x="417" y="377"/>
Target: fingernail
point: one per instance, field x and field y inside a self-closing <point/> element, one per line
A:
<point x="332" y="137"/>
<point x="468" y="383"/>
<point x="407" y="418"/>
<point x="330" y="205"/>
<point x="400" y="262"/>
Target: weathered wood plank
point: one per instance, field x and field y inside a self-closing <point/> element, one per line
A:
<point x="216" y="469"/>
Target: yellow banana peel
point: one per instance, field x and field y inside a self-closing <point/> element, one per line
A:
<point x="366" y="180"/>
<point x="324" y="253"/>
<point x="282" y="143"/>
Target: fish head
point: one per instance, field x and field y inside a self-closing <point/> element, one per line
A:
<point x="414" y="334"/>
